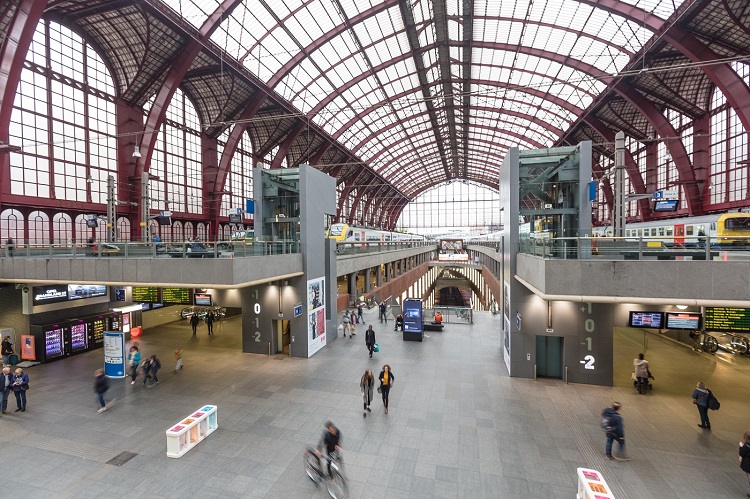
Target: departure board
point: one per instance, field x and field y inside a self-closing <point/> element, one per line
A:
<point x="146" y="295"/>
<point x="728" y="319"/>
<point x="176" y="295"/>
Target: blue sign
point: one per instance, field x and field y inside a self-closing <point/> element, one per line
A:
<point x="518" y="322"/>
<point x="298" y="310"/>
<point x="412" y="315"/>
<point x="667" y="205"/>
<point x="119" y="294"/>
<point x="114" y="354"/>
<point x="249" y="206"/>
<point x="592" y="190"/>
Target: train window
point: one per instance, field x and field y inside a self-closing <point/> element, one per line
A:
<point x="737" y="223"/>
<point x="669" y="231"/>
<point x="701" y="228"/>
<point x="661" y="231"/>
<point x="638" y="232"/>
<point x="627" y="233"/>
<point x="688" y="230"/>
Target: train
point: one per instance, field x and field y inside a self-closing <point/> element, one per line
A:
<point x="342" y="232"/>
<point x="726" y="229"/>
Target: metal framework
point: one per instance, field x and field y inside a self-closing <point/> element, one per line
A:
<point x="396" y="97"/>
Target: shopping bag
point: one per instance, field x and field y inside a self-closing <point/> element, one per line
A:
<point x="377" y="347"/>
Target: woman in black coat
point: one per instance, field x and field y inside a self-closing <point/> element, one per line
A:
<point x="386" y="382"/>
<point x="745" y="455"/>
<point x="366" y="384"/>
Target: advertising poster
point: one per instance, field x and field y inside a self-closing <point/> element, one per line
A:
<point x="506" y="324"/>
<point x="78" y="291"/>
<point x="28" y="347"/>
<point x="114" y="354"/>
<point x="316" y="315"/>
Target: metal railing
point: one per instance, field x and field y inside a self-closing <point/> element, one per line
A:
<point x="189" y="249"/>
<point x="349" y="248"/>
<point x="638" y="248"/>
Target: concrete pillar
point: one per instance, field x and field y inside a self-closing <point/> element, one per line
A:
<point x="352" y="285"/>
<point x="379" y="276"/>
<point x="368" y="280"/>
<point x="388" y="272"/>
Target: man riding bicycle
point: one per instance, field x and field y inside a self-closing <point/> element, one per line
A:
<point x="331" y="438"/>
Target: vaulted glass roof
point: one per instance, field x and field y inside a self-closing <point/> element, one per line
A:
<point x="434" y="89"/>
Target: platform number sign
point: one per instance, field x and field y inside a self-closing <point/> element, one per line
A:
<point x="256" y="320"/>
<point x="589" y="326"/>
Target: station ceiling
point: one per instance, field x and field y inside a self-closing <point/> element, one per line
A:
<point x="396" y="96"/>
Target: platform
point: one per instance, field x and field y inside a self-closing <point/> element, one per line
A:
<point x="458" y="426"/>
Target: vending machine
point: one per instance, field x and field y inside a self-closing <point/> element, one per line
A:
<point x="97" y="327"/>
<point x="54" y="343"/>
<point x="79" y="338"/>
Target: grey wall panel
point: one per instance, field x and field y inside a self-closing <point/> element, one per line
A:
<point x="348" y="264"/>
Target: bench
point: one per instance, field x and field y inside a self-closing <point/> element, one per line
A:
<point x="433" y="326"/>
<point x="193" y="429"/>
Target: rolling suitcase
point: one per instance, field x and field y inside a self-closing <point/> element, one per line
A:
<point x="13" y="359"/>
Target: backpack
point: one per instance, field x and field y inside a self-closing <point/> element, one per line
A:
<point x="606" y="424"/>
<point x="713" y="402"/>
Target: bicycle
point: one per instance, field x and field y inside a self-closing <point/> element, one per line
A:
<point x="315" y="466"/>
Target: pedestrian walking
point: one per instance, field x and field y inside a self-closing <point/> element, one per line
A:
<point x="345" y="320"/>
<point x="154" y="366"/>
<point x="6" y="384"/>
<point x="701" y="396"/>
<point x="745" y="456"/>
<point x="146" y="366"/>
<point x="370" y="339"/>
<point x="366" y="383"/>
<point x="20" y="387"/>
<point x="695" y="337"/>
<point x="381" y="312"/>
<point x="6" y="347"/>
<point x="614" y="428"/>
<point x="178" y="358"/>
<point x="101" y="385"/>
<point x="360" y="316"/>
<point x="194" y="320"/>
<point x="352" y="325"/>
<point x="386" y="382"/>
<point x="134" y="359"/>
<point x="210" y="317"/>
<point x="10" y="246"/>
<point x="641" y="373"/>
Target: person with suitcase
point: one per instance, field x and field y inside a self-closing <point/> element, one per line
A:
<point x="7" y="350"/>
<point x="370" y="339"/>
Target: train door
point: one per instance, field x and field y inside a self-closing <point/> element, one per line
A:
<point x="679" y="235"/>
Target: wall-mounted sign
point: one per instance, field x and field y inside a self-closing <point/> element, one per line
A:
<point x="50" y="294"/>
<point x="202" y="299"/>
<point x="119" y="294"/>
<point x="728" y="319"/>
<point x="146" y="295"/>
<point x="298" y="310"/>
<point x="180" y="296"/>
<point x="79" y="291"/>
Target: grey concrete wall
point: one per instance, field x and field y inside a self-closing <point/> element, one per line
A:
<point x="689" y="280"/>
<point x="347" y="264"/>
<point x="180" y="272"/>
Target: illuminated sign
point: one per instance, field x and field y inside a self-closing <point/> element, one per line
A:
<point x="146" y="295"/>
<point x="176" y="295"/>
<point x="728" y="319"/>
<point x="50" y="294"/>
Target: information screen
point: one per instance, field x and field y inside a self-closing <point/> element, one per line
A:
<point x="146" y="295"/>
<point x="203" y="299"/>
<point x="646" y="319"/>
<point x="728" y="319"/>
<point x="683" y="321"/>
<point x="176" y="295"/>
<point x="50" y="294"/>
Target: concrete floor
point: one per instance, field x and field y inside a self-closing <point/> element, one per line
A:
<point x="458" y="425"/>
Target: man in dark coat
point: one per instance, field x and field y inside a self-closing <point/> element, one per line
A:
<point x="210" y="317"/>
<point x="194" y="320"/>
<point x="616" y="431"/>
<point x="370" y="339"/>
<point x="101" y="385"/>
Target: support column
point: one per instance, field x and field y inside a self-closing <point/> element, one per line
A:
<point x="388" y="271"/>
<point x="368" y="279"/>
<point x="618" y="217"/>
<point x="351" y="285"/>
<point x="379" y="276"/>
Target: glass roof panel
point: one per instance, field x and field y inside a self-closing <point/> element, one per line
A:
<point x="194" y="11"/>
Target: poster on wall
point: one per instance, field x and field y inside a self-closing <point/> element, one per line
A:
<point x="28" y="347"/>
<point x="316" y="315"/>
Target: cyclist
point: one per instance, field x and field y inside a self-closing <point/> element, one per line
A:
<point x="330" y="440"/>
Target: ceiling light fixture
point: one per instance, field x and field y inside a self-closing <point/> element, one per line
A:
<point x="681" y="307"/>
<point x="137" y="152"/>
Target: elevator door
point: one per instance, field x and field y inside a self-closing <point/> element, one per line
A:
<point x="549" y="356"/>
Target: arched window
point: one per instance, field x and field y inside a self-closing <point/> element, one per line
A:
<point x="38" y="228"/>
<point x="178" y="233"/>
<point x="82" y="231"/>
<point x="11" y="226"/>
<point x="189" y="233"/>
<point x="177" y="160"/>
<point x="81" y="123"/>
<point x="62" y="229"/>
<point x="123" y="229"/>
<point x="201" y="231"/>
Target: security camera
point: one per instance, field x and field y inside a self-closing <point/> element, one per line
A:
<point x="25" y="289"/>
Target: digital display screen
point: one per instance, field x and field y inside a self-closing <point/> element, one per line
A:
<point x="412" y="315"/>
<point x="78" y="291"/>
<point x="98" y="330"/>
<point x="176" y="295"/>
<point x="146" y="295"/>
<point x="202" y="299"/>
<point x="683" y="321"/>
<point x="50" y="294"/>
<point x="662" y="206"/>
<point x="53" y="343"/>
<point x="728" y="319"/>
<point x="646" y="319"/>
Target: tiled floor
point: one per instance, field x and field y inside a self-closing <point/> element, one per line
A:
<point x="458" y="425"/>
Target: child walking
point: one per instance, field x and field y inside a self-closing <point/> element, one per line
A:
<point x="178" y="358"/>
